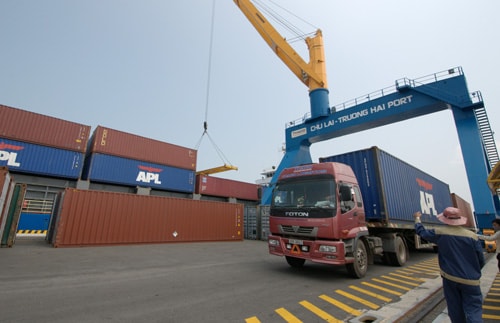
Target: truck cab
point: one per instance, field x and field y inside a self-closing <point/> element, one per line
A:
<point x="317" y="214"/>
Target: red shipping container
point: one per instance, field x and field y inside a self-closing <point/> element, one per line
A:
<point x="87" y="217"/>
<point x="466" y="209"/>
<point x="22" y="125"/>
<point x="117" y="143"/>
<point x="214" y="186"/>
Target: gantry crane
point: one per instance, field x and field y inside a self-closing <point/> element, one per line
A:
<point x="406" y="99"/>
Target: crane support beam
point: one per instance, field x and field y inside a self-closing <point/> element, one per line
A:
<point x="215" y="170"/>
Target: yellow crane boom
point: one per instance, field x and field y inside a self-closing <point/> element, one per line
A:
<point x="312" y="74"/>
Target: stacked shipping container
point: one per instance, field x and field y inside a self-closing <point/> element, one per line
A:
<point x="118" y="157"/>
<point x="38" y="144"/>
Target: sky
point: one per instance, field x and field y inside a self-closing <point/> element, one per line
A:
<point x="160" y="69"/>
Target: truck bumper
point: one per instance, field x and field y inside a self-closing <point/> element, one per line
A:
<point x="321" y="251"/>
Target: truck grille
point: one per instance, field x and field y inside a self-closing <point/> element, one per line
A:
<point x="297" y="229"/>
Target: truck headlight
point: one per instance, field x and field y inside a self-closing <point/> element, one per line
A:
<point x="327" y="248"/>
<point x="273" y="242"/>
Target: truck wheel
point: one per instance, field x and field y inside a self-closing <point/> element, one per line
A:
<point x="295" y="262"/>
<point x="399" y="257"/>
<point x="360" y="265"/>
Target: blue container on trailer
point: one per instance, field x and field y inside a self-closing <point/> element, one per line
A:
<point x="130" y="172"/>
<point x="392" y="189"/>
<point x="40" y="160"/>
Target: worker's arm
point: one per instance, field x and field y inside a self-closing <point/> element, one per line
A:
<point x="429" y="235"/>
<point x="493" y="237"/>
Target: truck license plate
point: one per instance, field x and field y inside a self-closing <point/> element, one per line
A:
<point x="295" y="241"/>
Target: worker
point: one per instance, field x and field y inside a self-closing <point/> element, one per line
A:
<point x="495" y="237"/>
<point x="461" y="258"/>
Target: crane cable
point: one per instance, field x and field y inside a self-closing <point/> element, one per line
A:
<point x="205" y="122"/>
<point x="284" y="22"/>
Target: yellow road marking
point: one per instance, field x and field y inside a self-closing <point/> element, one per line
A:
<point x="408" y="277"/>
<point x="340" y="305"/>
<point x="492" y="300"/>
<point x="287" y="316"/>
<point x="358" y="299"/>
<point x="492" y="317"/>
<point x="252" y="319"/>
<point x="414" y="271"/>
<point x="383" y="289"/>
<point x="391" y="284"/>
<point x="319" y="312"/>
<point x="400" y="281"/>
<point x="489" y="307"/>
<point x="404" y="272"/>
<point x="493" y="294"/>
<point x="424" y="268"/>
<point x="367" y="292"/>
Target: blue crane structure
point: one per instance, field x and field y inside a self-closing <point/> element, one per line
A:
<point x="406" y="99"/>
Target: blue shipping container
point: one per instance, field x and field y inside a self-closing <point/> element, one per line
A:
<point x="392" y="189"/>
<point x="40" y="160"/>
<point x="123" y="171"/>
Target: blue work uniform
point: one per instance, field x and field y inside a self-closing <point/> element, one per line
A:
<point x="461" y="258"/>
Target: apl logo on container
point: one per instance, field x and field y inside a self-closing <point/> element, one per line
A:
<point x="10" y="157"/>
<point x="149" y="174"/>
<point x="426" y="199"/>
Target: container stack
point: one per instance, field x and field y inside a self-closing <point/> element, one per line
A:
<point x="37" y="144"/>
<point x="121" y="158"/>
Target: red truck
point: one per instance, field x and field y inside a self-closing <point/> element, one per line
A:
<point x="350" y="208"/>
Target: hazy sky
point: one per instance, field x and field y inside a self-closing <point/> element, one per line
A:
<point x="143" y="67"/>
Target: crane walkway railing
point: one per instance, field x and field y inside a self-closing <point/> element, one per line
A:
<point x="399" y="85"/>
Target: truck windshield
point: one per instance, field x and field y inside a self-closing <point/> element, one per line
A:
<point x="301" y="193"/>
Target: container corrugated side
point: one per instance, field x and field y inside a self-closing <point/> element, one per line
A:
<point x="88" y="217"/>
<point x="40" y="160"/>
<point x="130" y="172"/>
<point x="392" y="189"/>
<point x="26" y="126"/>
<point x="466" y="209"/>
<point x="118" y="143"/>
<point x="214" y="186"/>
